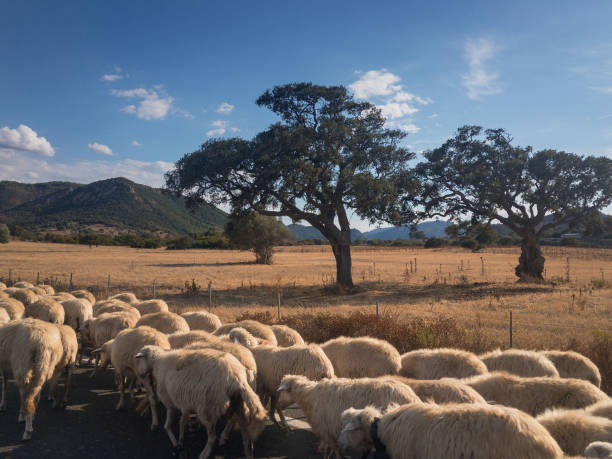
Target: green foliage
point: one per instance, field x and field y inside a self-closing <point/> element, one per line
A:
<point x="434" y="242"/>
<point x="250" y="230"/>
<point x="414" y="234"/>
<point x="5" y="234"/>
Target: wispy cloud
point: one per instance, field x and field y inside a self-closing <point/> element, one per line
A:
<point x="24" y="139"/>
<point x="384" y="89"/>
<point x="136" y="143"/>
<point x="116" y="76"/>
<point x="100" y="148"/>
<point x="219" y="128"/>
<point x="153" y="104"/>
<point x="480" y="81"/>
<point x="225" y="108"/>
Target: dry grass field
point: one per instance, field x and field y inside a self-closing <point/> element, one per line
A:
<point x="475" y="289"/>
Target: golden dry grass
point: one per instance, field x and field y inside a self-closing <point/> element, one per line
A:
<point x="476" y="289"/>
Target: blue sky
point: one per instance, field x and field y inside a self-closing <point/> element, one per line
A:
<point x="91" y="90"/>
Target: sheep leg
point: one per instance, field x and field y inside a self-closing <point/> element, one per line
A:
<point x="4" y="384"/>
<point x="153" y="405"/>
<point x="247" y="445"/>
<point x="210" y="443"/>
<point x="182" y="424"/>
<point x="131" y="388"/>
<point x="121" y="383"/>
<point x="283" y="421"/>
<point x="30" y="393"/>
<point x="168" y="425"/>
<point x="226" y="430"/>
<point x="69" y="370"/>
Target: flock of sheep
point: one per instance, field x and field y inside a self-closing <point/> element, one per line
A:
<point x="359" y="395"/>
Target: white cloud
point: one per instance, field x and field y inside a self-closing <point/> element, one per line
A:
<point x="234" y="129"/>
<point x="479" y="81"/>
<point x="25" y="139"/>
<point x="136" y="143"/>
<point x="403" y="96"/>
<point x="112" y="77"/>
<point x="225" y="108"/>
<point x="410" y="127"/>
<point x="100" y="148"/>
<point x="604" y="89"/>
<point x="27" y="169"/>
<point x="392" y="110"/>
<point x="155" y="104"/>
<point x="375" y="83"/>
<point x="220" y="128"/>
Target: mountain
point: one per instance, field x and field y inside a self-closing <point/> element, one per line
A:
<point x="302" y="232"/>
<point x="113" y="205"/>
<point x="434" y="228"/>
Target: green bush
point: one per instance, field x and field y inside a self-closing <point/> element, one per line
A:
<point x="433" y="242"/>
<point x="5" y="234"/>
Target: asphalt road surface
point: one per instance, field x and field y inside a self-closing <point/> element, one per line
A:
<point x="91" y="428"/>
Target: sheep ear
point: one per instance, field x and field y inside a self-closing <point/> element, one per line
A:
<point x="349" y="427"/>
<point x="282" y="387"/>
<point x="97" y="350"/>
<point x="139" y="355"/>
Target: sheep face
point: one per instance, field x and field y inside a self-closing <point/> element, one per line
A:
<point x="354" y="436"/>
<point x="285" y="397"/>
<point x="85" y="331"/>
<point x="144" y="360"/>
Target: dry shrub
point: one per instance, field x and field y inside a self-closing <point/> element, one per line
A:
<point x="405" y="335"/>
<point x="599" y="350"/>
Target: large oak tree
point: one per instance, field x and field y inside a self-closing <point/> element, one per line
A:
<point x="328" y="156"/>
<point x="480" y="174"/>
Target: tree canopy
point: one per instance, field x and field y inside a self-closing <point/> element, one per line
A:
<point x="330" y="155"/>
<point x="480" y="175"/>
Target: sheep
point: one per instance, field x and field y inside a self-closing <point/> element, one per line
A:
<point x="601" y="409"/>
<point x="46" y="309"/>
<point x="61" y="296"/>
<point x="47" y="288"/>
<point x="599" y="449"/>
<point x="241" y="336"/>
<point x="209" y="383"/>
<point x="38" y="291"/>
<point x="4" y="317"/>
<point x="255" y="328"/>
<point x="115" y="306"/>
<point x="23" y="284"/>
<point x="31" y="349"/>
<point x="100" y="329"/>
<point x="165" y="322"/>
<point x="70" y="348"/>
<point x="151" y="306"/>
<point x="125" y="346"/>
<point x="571" y="364"/>
<point x="24" y="295"/>
<point x="441" y="363"/>
<point x="202" y="320"/>
<point x="2" y="285"/>
<point x="273" y="363"/>
<point x="527" y="364"/>
<point x="181" y="339"/>
<point x="446" y="432"/>
<point x="10" y="290"/>
<point x="324" y="401"/>
<point x="14" y="308"/>
<point x="286" y="336"/>
<point x="4" y="295"/>
<point x="441" y="391"/>
<point x="103" y="354"/>
<point x="535" y="395"/>
<point x="84" y="294"/>
<point x="127" y="297"/>
<point x="244" y="355"/>
<point x="362" y="357"/>
<point x="77" y="312"/>
<point x="574" y="430"/>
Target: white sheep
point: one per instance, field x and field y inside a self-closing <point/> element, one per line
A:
<point x="66" y="364"/>
<point x="255" y="328"/>
<point x="574" y="430"/>
<point x="441" y="391"/>
<point x="527" y="364"/>
<point x="599" y="449"/>
<point x="181" y="339"/>
<point x="362" y="357"/>
<point x="38" y="291"/>
<point x="103" y="354"/>
<point x="571" y="364"/>
<point x="49" y="290"/>
<point x="61" y="296"/>
<point x="324" y="401"/>
<point x="241" y="336"/>
<point x="457" y="431"/>
<point x="27" y="297"/>
<point x="116" y="306"/>
<point x="127" y="297"/>
<point x="2" y="285"/>
<point x="286" y="336"/>
<point x="46" y="309"/>
<point x="86" y="294"/>
<point x="441" y="363"/>
<point x="202" y="320"/>
<point x="125" y="346"/>
<point x="4" y="317"/>
<point x="535" y="395"/>
<point x="166" y="322"/>
<point x="209" y="383"/>
<point x="151" y="306"/>
<point x="274" y="363"/>
<point x="14" y="308"/>
<point x="23" y="284"/>
<point x="100" y="329"/>
<point x="4" y="295"/>
<point x="601" y="409"/>
<point x="77" y="312"/>
<point x="30" y="349"/>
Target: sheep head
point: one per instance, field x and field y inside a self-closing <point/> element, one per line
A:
<point x="355" y="434"/>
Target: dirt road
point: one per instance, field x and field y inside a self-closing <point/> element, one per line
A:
<point x="91" y="428"/>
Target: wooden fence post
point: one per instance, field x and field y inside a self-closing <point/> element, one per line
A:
<point x="108" y="287"/>
<point x="377" y="309"/>
<point x="71" y="288"/>
<point x="510" y="327"/>
<point x="209" y="296"/>
<point x="278" y="305"/>
<point x="154" y="281"/>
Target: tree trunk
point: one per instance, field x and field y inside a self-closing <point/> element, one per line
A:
<point x="531" y="261"/>
<point x="342" y="252"/>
